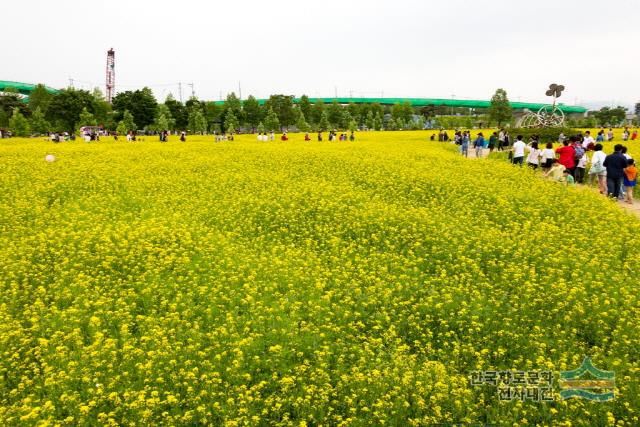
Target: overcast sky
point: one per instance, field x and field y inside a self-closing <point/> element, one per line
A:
<point x="412" y="48"/>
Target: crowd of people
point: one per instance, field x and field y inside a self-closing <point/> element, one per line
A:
<point x="579" y="159"/>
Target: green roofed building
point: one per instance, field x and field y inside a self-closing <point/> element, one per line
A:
<point x="423" y="102"/>
<point x="22" y="88"/>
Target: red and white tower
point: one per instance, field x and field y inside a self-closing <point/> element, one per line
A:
<point x="111" y="75"/>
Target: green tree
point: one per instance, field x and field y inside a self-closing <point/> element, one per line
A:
<point x="353" y="125"/>
<point x="233" y="104"/>
<point x="261" y="128"/>
<point x="369" y="122"/>
<point x="66" y="106"/>
<point x="335" y="114"/>
<point x="355" y="111"/>
<point x="305" y="107"/>
<point x="347" y="118"/>
<point x="271" y="121"/>
<point x="302" y="124"/>
<point x="500" y="110"/>
<point x="121" y="128"/>
<point x="316" y="112"/>
<point x="161" y="123"/>
<point x="86" y="118"/>
<point x="140" y="103"/>
<point x="231" y="123"/>
<point x="9" y="101"/>
<point x="610" y="116"/>
<point x="127" y="119"/>
<point x="213" y="115"/>
<point x="18" y="124"/>
<point x="168" y="122"/>
<point x="178" y="112"/>
<point x="39" y="124"/>
<point x="101" y="108"/>
<point x="282" y="106"/>
<point x="40" y="97"/>
<point x="377" y="122"/>
<point x="197" y="121"/>
<point x="252" y="111"/>
<point x="323" y="123"/>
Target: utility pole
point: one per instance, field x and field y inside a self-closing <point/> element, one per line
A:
<point x="193" y="92"/>
<point x="351" y="93"/>
<point x="70" y="82"/>
<point x="335" y="91"/>
<point x="180" y="90"/>
<point x="239" y="91"/>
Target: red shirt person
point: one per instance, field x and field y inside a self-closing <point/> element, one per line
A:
<point x="567" y="155"/>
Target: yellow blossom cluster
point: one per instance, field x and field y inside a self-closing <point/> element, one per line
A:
<point x="244" y="283"/>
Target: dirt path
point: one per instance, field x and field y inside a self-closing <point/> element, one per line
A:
<point x="634" y="208"/>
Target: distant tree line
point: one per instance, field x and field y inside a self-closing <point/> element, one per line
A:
<point x="138" y="110"/>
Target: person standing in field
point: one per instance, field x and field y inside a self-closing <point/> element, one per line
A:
<point x="464" y="144"/>
<point x="597" y="169"/>
<point x="493" y="141"/>
<point x="183" y="136"/>
<point x="625" y="134"/>
<point x="588" y="139"/>
<point x="478" y="144"/>
<point x="630" y="177"/>
<point x="547" y="156"/>
<point x="567" y="155"/>
<point x="518" y="151"/>
<point x="533" y="159"/>
<point x="579" y="151"/>
<point x="501" y="136"/>
<point x="600" y="136"/>
<point x="561" y="137"/>
<point x="634" y="135"/>
<point x="610" y="135"/>
<point x="352" y="136"/>
<point x="615" y="163"/>
<point x="319" y="136"/>
<point x="581" y="167"/>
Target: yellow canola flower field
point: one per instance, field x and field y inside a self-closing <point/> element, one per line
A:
<point x="302" y="283"/>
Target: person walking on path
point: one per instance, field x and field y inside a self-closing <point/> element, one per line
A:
<point x="567" y="155"/>
<point x="597" y="169"/>
<point x="478" y="144"/>
<point x="518" y="151"/>
<point x="501" y="144"/>
<point x="493" y="140"/>
<point x="630" y="176"/>
<point x="615" y="163"/>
